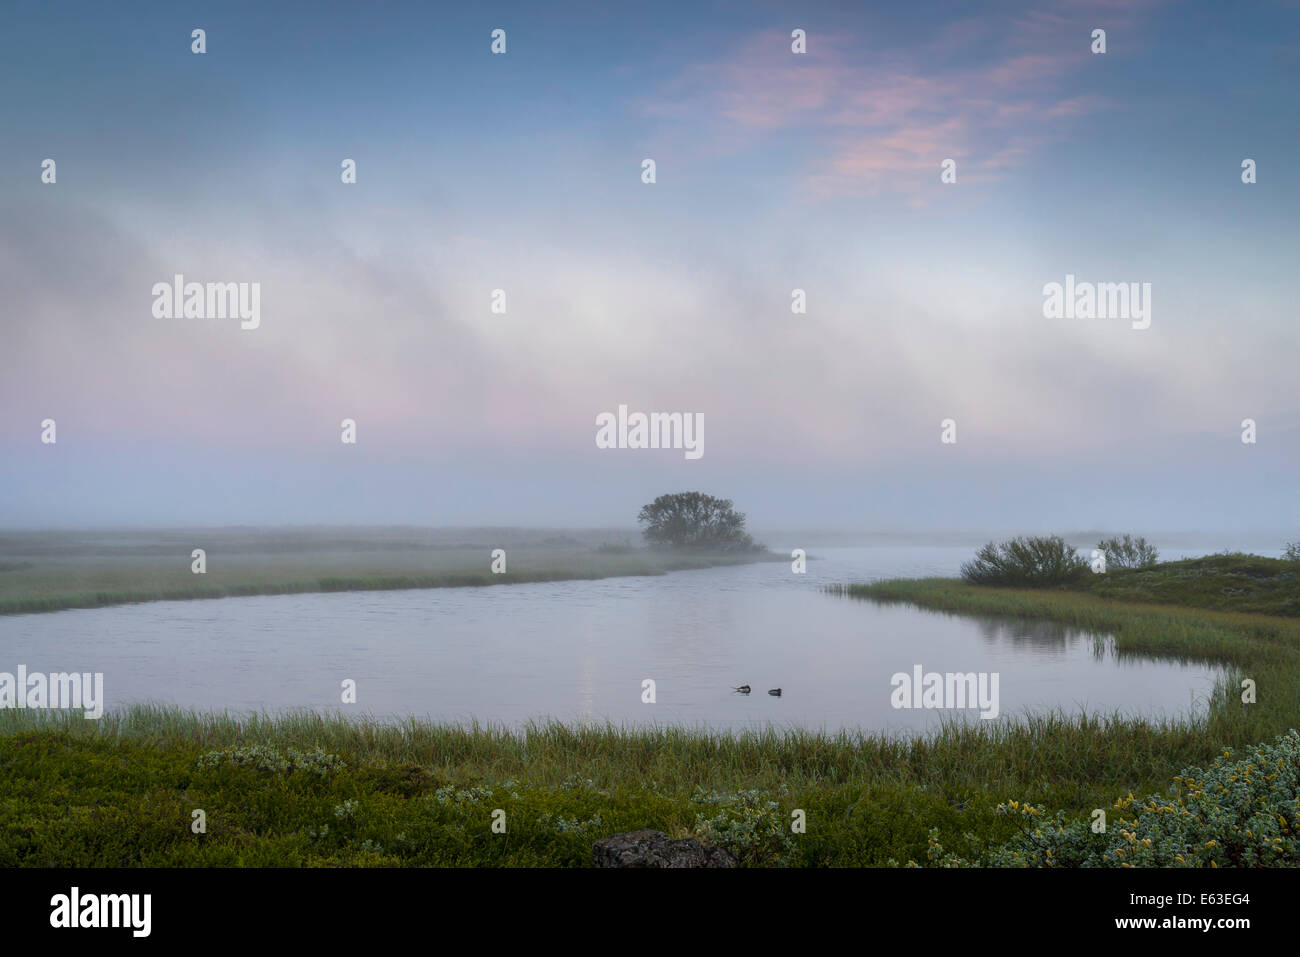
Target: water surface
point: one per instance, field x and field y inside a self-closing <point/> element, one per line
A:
<point x="580" y="651"/>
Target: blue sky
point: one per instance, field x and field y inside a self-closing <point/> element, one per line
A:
<point x="775" y="171"/>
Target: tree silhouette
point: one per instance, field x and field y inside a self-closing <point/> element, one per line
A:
<point x="697" y="521"/>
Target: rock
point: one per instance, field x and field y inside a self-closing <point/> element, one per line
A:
<point x="656" y="849"/>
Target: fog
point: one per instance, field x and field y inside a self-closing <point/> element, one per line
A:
<point x="523" y="174"/>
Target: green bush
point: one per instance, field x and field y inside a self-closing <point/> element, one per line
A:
<point x="748" y="823"/>
<point x="1242" y="811"/>
<point x="264" y="757"/>
<point x="1128" y="552"/>
<point x="1026" y="560"/>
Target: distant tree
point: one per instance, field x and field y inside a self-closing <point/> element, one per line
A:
<point x="697" y="521"/>
<point x="1292" y="552"/>
<point x="1128" y="552"/>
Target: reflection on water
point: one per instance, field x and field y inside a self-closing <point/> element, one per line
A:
<point x="580" y="651"/>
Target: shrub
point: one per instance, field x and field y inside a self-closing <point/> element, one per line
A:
<point x="1292" y="552"/>
<point x="748" y="824"/>
<point x="476" y="794"/>
<point x="1025" y="561"/>
<point x="267" y="758"/>
<point x="1242" y="811"/>
<point x="1128" y="552"/>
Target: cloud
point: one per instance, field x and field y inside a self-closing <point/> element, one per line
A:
<point x="990" y="95"/>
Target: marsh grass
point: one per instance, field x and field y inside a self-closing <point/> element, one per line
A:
<point x="676" y="758"/>
<point x="868" y="798"/>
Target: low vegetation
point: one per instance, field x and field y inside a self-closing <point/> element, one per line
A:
<point x="313" y="790"/>
<point x="1230" y="582"/>
<point x="1242" y="811"/>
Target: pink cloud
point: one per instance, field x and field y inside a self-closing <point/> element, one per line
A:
<point x="986" y="93"/>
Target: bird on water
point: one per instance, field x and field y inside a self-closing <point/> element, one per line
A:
<point x="743" y="689"/>
<point x="775" y="692"/>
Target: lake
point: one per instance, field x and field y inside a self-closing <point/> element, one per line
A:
<point x="581" y="650"/>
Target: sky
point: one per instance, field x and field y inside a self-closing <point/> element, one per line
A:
<point x="522" y="171"/>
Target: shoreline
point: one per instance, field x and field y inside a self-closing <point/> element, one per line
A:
<point x="342" y="791"/>
<point x="599" y="567"/>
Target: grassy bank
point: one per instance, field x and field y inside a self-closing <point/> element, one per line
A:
<point x="121" y="791"/>
<point x="1233" y="582"/>
<point x="1262" y="647"/>
<point x="307" y="790"/>
<point x="53" y="571"/>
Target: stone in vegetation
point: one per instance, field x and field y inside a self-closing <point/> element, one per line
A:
<point x="656" y="849"/>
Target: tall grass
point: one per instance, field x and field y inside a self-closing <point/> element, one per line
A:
<point x="1071" y="751"/>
